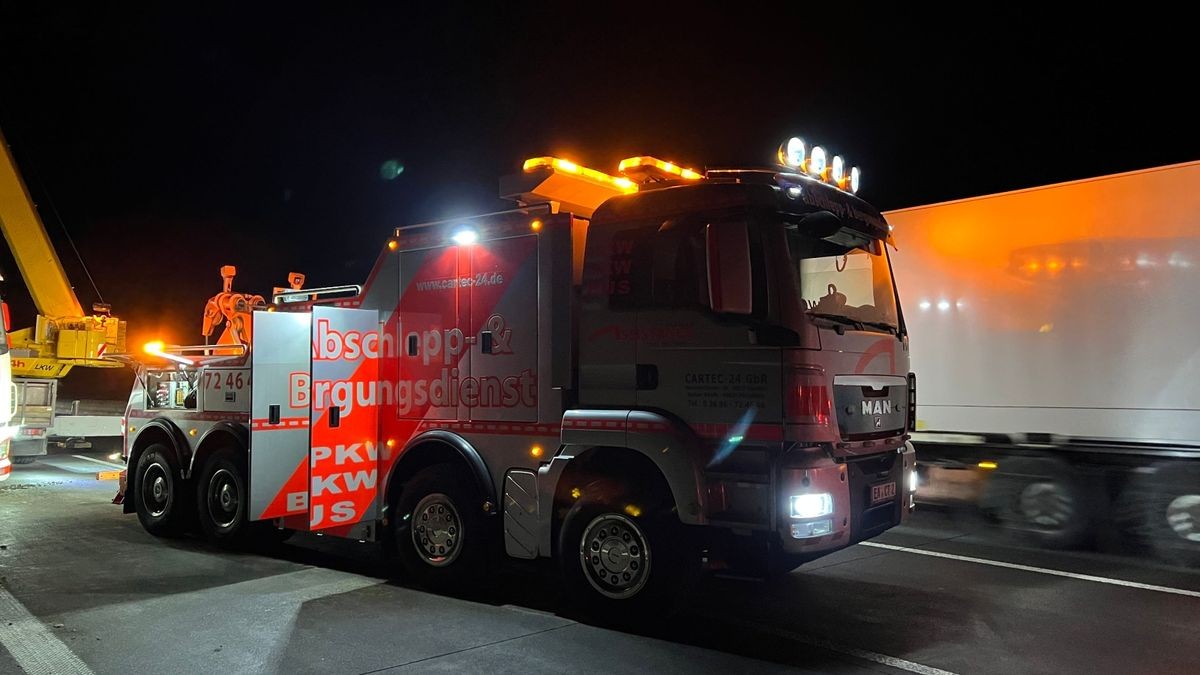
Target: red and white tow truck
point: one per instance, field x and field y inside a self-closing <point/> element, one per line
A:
<point x="630" y="374"/>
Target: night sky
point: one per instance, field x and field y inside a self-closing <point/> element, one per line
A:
<point x="171" y="142"/>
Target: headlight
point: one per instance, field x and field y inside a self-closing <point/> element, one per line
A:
<point x="812" y="505"/>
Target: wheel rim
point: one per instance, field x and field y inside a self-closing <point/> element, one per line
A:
<point x="156" y="490"/>
<point x="1046" y="505"/>
<point x="1183" y="515"/>
<point x="615" y="556"/>
<point x="437" y="531"/>
<point x="224" y="499"/>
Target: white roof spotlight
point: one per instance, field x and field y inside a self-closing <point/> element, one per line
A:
<point x="791" y="153"/>
<point x="465" y="236"/>
<point x="817" y="162"/>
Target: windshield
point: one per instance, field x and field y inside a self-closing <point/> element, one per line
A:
<point x="850" y="284"/>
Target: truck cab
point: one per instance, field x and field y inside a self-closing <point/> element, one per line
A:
<point x="756" y="314"/>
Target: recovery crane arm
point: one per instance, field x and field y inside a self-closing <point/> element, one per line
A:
<point x="63" y="336"/>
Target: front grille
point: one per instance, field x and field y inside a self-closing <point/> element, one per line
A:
<point x="866" y="413"/>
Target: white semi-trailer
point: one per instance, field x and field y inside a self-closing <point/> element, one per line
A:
<point x="1056" y="340"/>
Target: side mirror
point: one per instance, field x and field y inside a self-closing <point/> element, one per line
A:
<point x="730" y="286"/>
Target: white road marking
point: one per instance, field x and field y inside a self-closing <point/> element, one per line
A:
<point x="37" y="650"/>
<point x="822" y="643"/>
<point x="1038" y="570"/>
<point x="111" y="465"/>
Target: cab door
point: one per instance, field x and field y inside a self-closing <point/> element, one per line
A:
<point x="699" y="363"/>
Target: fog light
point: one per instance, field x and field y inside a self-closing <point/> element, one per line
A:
<point x="814" y="528"/>
<point x="812" y="505"/>
<point x="912" y="481"/>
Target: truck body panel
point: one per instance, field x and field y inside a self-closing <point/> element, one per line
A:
<point x="1068" y="310"/>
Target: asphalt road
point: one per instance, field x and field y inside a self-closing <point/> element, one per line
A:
<point x="84" y="589"/>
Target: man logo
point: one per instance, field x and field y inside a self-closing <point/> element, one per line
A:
<point x="877" y="407"/>
<point x="878" y="422"/>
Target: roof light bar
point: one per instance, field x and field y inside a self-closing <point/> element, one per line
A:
<point x="795" y="155"/>
<point x="653" y="168"/>
<point x="566" y="166"/>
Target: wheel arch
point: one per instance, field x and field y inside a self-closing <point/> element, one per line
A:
<point x="159" y="430"/>
<point x="221" y="435"/>
<point x="613" y="473"/>
<point x="437" y="447"/>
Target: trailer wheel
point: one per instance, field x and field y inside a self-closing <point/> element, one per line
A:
<point x="439" y="530"/>
<point x="1041" y="500"/>
<point x="158" y="496"/>
<point x="1161" y="509"/>
<point x="222" y="498"/>
<point x="623" y="564"/>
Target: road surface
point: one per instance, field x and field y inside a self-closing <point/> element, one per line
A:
<point x="83" y="589"/>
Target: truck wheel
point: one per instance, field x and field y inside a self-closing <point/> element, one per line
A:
<point x="1042" y="500"/>
<point x="158" y="493"/>
<point x="439" y="530"/>
<point x="24" y="459"/>
<point x="1161" y="509"/>
<point x="623" y="565"/>
<point x="222" y="498"/>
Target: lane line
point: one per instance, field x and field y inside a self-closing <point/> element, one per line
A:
<point x="37" y="650"/>
<point x="406" y="664"/>
<point x="822" y="643"/>
<point x="111" y="465"/>
<point x="1038" y="570"/>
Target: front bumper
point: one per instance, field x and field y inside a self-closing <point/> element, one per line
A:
<point x="861" y="506"/>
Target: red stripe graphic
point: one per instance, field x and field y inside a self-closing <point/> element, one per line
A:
<point x="285" y="423"/>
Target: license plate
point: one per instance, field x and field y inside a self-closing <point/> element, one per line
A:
<point x="883" y="492"/>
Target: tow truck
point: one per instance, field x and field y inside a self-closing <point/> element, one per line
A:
<point x="630" y="374"/>
<point x="63" y="336"/>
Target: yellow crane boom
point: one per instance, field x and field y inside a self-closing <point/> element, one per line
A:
<point x="63" y="336"/>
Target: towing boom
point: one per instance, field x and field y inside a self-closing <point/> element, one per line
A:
<point x="63" y="336"/>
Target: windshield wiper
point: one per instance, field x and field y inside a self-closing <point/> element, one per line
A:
<point x="837" y="318"/>
<point x="885" y="326"/>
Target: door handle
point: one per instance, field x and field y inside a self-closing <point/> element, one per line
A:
<point x="647" y="376"/>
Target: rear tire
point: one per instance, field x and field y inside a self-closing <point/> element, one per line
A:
<point x="622" y="564"/>
<point x="1161" y="509"/>
<point x="1042" y="500"/>
<point x="158" y="493"/>
<point x="222" y="498"/>
<point x="439" y="531"/>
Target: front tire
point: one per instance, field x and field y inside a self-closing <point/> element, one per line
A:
<point x="158" y="493"/>
<point x="439" y="531"/>
<point x="623" y="565"/>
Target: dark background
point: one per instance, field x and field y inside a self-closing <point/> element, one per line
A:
<point x="169" y="141"/>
